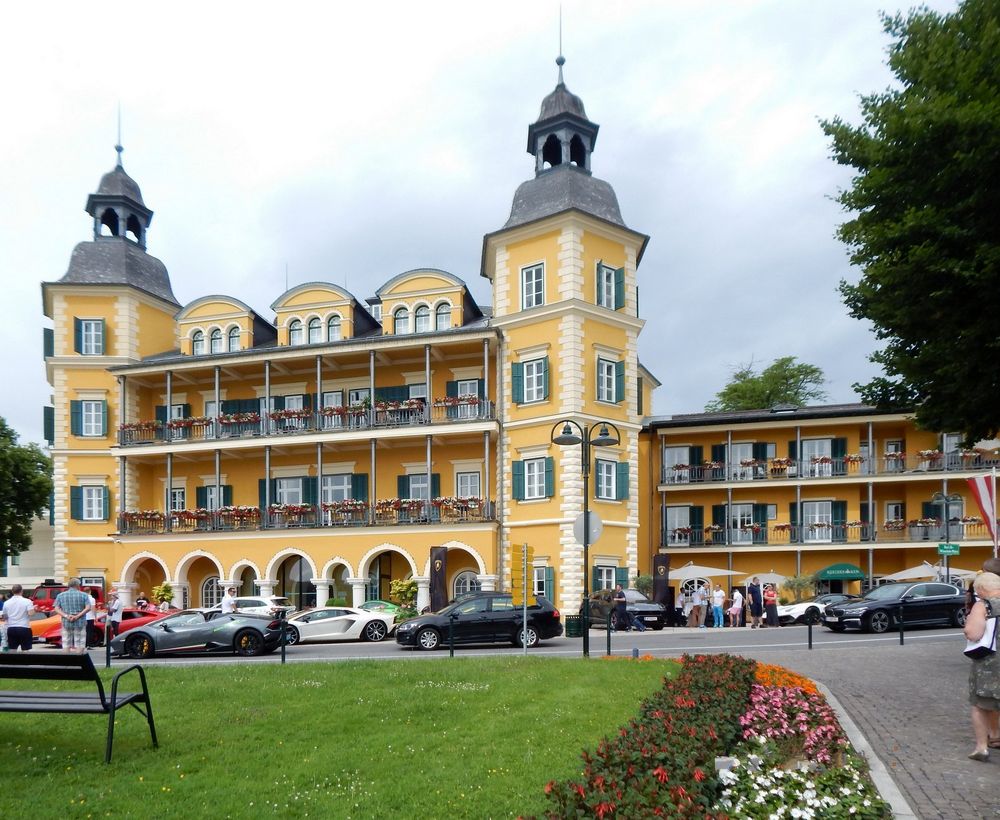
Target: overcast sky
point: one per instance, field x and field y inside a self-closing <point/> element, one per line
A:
<point x="352" y="142"/>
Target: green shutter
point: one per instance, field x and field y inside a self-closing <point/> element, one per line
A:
<point x="49" y="424"/>
<point x="839" y="511"/>
<point x="278" y="402"/>
<point x="719" y="516"/>
<point x="227" y="495"/>
<point x="359" y="487"/>
<point x="106" y="503"/>
<point x="545" y="378"/>
<point x="161" y="413"/>
<point x="928" y="509"/>
<point x="451" y="391"/>
<point x="52" y="508"/>
<point x="76" y="417"/>
<point x="435" y="485"/>
<point x="619" y="288"/>
<point x="262" y="488"/>
<point x="517" y="480"/>
<point x="201" y="497"/>
<point x="838" y="447"/>
<point x="76" y="503"/>
<point x="186" y="410"/>
<point x="793" y="513"/>
<point x="621" y="576"/>
<point x="639" y="399"/>
<point x="793" y="449"/>
<point x="619" y="382"/>
<point x="517" y="383"/>
<point x="309" y="493"/>
<point x="381" y="394"/>
<point x="759" y="451"/>
<point x="550" y="476"/>
<point x="228" y="406"/>
<point x="77" y="335"/>
<point x="402" y="486"/>
<point x="696" y="521"/>
<point x="719" y="453"/>
<point x="550" y="583"/>
<point x="696" y="455"/>
<point x="759" y="517"/>
<point x="48" y="342"/>
<point x="307" y="401"/>
<point x="481" y="385"/>
<point x="621" y="482"/>
<point x="593" y="579"/>
<point x="866" y="513"/>
<point x="104" y="418"/>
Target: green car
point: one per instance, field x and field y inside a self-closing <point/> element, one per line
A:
<point x="380" y="606"/>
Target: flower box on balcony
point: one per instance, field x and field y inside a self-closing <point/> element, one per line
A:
<point x="142" y="516"/>
<point x="141" y="425"/>
<point x="456" y="401"/>
<point x="782" y="528"/>
<point x="184" y="424"/>
<point x="292" y="413"/>
<point x="930" y="455"/>
<point x="894" y="525"/>
<point x="239" y="418"/>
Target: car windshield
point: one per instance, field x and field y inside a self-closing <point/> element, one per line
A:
<point x="886" y="593"/>
<point x="633" y="596"/>
<point x="280" y="602"/>
<point x="184" y="619"/>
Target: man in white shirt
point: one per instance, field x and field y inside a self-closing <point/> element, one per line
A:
<point x="229" y="601"/>
<point x="93" y="636"/>
<point x="699" y="606"/>
<point x="15" y="614"/>
<point x="114" y="612"/>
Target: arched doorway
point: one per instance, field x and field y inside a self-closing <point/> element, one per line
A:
<point x="146" y="573"/>
<point x="294" y="581"/>
<point x="246" y="582"/>
<point x="193" y="575"/>
<point x="384" y="568"/>
<point x="340" y="589"/>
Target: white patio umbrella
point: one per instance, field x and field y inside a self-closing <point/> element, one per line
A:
<point x="691" y="570"/>
<point x="922" y="570"/>
<point x="774" y="578"/>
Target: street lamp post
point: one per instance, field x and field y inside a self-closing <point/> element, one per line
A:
<point x="946" y="500"/>
<point x="584" y="436"/>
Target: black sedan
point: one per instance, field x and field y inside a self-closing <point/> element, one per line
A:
<point x="923" y="603"/>
<point x="483" y="617"/>
<point x="636" y="604"/>
<point x="195" y="630"/>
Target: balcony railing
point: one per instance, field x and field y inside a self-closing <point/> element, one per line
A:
<point x="386" y="512"/>
<point x="828" y="467"/>
<point x="892" y="532"/>
<point x="383" y="415"/>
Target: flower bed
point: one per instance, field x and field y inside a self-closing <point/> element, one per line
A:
<point x="791" y="756"/>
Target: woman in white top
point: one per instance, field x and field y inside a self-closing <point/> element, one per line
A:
<point x="736" y="610"/>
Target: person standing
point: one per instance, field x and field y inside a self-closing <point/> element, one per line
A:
<point x="229" y="601"/>
<point x="718" y="606"/>
<point x="16" y="610"/>
<point x="984" y="675"/>
<point x="93" y="636"/>
<point x="736" y="610"/>
<point x="771" y="605"/>
<point x="699" y="606"/>
<point x="620" y="609"/>
<point x="114" y="613"/>
<point x="72" y="605"/>
<point x="756" y="602"/>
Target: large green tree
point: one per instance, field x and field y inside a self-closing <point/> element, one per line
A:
<point x="25" y="486"/>
<point x="784" y="381"/>
<point x="926" y="218"/>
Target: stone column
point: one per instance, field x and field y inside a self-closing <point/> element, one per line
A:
<point x="126" y="593"/>
<point x="357" y="590"/>
<point x="322" y="590"/>
<point x="423" y="592"/>
<point x="488" y="582"/>
<point x="266" y="586"/>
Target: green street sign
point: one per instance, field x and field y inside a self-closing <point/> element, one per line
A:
<point x="947" y="549"/>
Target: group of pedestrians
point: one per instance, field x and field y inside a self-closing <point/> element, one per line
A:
<point x="760" y="601"/>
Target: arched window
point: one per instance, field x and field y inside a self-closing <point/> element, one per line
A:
<point x="442" y="316"/>
<point x="234" y="339"/>
<point x="295" y="334"/>
<point x="552" y="152"/>
<point x="215" y="343"/>
<point x="422" y="319"/>
<point x="109" y="222"/>
<point x="315" y="331"/>
<point x="401" y="321"/>
<point x="466" y="582"/>
<point x="577" y="153"/>
<point x="132" y="227"/>
<point x="198" y="343"/>
<point x="211" y="592"/>
<point x="333" y="329"/>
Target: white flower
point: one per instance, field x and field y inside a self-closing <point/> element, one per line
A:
<point x="796" y="812"/>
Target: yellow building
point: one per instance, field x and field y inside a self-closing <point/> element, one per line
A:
<point x="340" y="444"/>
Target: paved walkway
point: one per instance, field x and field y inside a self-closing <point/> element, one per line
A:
<point x="911" y="703"/>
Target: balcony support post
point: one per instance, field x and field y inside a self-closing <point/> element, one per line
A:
<point x="317" y="417"/>
<point x="729" y="513"/>
<point x="218" y="479"/>
<point x="168" y="523"/>
<point x="486" y="470"/>
<point x="427" y="456"/>
<point x="871" y="457"/>
<point x="486" y="375"/>
<point x="372" y="491"/>
<point x="265" y="418"/>
<point x="319" y="488"/>
<point x="427" y="384"/>
<point x="872" y="514"/>
<point x="265" y="515"/>
<point x="218" y="403"/>
<point x="371" y="388"/>
<point x="122" y="486"/>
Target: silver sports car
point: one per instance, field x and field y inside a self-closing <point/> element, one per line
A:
<point x="194" y="630"/>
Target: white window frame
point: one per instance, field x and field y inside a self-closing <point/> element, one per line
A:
<point x="215" y="341"/>
<point x="468" y="483"/>
<point x="288" y="491"/>
<point x="335" y="487"/>
<point x="233" y="337"/>
<point x="91" y="337"/>
<point x="538" y="580"/>
<point x="533" y="374"/>
<point x="401" y="321"/>
<point x="534" y="479"/>
<point x="92" y="418"/>
<point x="418" y="391"/>
<point x="314" y="332"/>
<point x="198" y="343"/>
<point x="672" y="456"/>
<point x="606" y="381"/>
<point x="678" y="517"/>
<point x="894" y="510"/>
<point x="606" y="286"/>
<point x="334" y="329"/>
<point x="533" y="286"/>
<point x="212" y="501"/>
<point x="466" y="582"/>
<point x="93" y="502"/>
<point x="419" y="486"/>
<point x="177" y="499"/>
<point x="422" y="319"/>
<point x="817" y="512"/>
<point x="296" y="332"/>
<point x="605" y="577"/>
<point x="605" y="479"/>
<point x="468" y="387"/>
<point x="740" y="516"/>
<point x="442" y="316"/>
<point x="211" y="591"/>
<point x="816" y="448"/>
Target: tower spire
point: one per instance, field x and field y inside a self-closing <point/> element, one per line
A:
<point x="560" y="60"/>
<point x="118" y="144"/>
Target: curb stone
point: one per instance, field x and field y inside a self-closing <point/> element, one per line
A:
<point x="883" y="781"/>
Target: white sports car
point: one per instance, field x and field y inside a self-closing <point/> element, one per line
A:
<point x="799" y="613"/>
<point x="327" y="623"/>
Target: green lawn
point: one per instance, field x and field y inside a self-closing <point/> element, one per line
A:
<point x="470" y="737"/>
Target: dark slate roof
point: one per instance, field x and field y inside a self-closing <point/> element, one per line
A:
<point x="780" y="413"/>
<point x="561" y="101"/>
<point x="117" y="183"/>
<point x="118" y="261"/>
<point x="559" y="189"/>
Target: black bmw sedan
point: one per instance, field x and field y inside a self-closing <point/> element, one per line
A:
<point x="483" y="617"/>
<point x="923" y="603"/>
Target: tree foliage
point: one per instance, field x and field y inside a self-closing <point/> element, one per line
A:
<point x="784" y="381"/>
<point x="25" y="486"/>
<point x="926" y="224"/>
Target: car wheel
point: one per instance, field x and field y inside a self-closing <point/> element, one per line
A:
<point x="532" y="637"/>
<point x="958" y="617"/>
<point x="248" y="642"/>
<point x="291" y="636"/>
<point x="139" y="646"/>
<point x="376" y="631"/>
<point x="428" y="639"/>
<point x="878" y="622"/>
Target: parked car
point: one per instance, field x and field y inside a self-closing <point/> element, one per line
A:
<point x="330" y="623"/>
<point x="42" y="624"/>
<point x="44" y="595"/>
<point x="381" y="606"/>
<point x="801" y="611"/>
<point x="131" y="618"/>
<point x="260" y="605"/>
<point x="636" y="604"/>
<point x="922" y="603"/>
<point x="483" y="617"/>
<point x="199" y="631"/>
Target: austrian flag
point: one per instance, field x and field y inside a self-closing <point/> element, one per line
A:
<point x="984" y="489"/>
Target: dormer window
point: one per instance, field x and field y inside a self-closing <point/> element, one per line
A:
<point x="401" y="321"/>
<point x="234" y="339"/>
<point x="315" y="331"/>
<point x="296" y="336"/>
<point x="216" y="341"/>
<point x="333" y="329"/>
<point x="198" y="343"/>
<point x="422" y="319"/>
<point x="442" y="316"/>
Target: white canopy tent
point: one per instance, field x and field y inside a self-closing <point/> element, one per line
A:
<point x="927" y="570"/>
<point x="691" y="570"/>
<point x="776" y="579"/>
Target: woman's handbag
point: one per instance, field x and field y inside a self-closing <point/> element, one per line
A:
<point x="986" y="645"/>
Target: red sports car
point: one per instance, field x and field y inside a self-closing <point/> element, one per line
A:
<point x="131" y="618"/>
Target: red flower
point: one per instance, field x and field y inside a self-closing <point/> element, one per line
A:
<point x="604" y="808"/>
<point x="550" y="786"/>
<point x="661" y="774"/>
<point x="699" y="775"/>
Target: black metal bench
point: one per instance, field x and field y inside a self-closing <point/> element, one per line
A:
<point x="70" y="667"/>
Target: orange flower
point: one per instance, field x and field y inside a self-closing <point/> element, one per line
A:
<point x="774" y="676"/>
